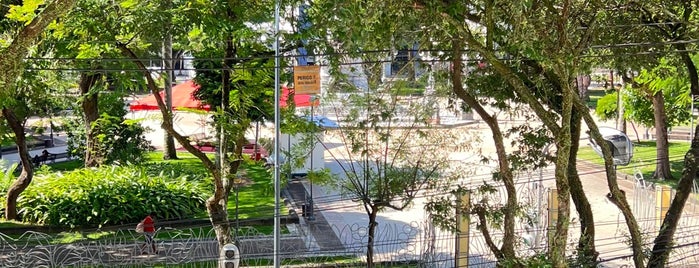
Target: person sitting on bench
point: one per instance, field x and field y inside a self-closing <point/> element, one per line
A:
<point x="44" y="156"/>
<point x="36" y="160"/>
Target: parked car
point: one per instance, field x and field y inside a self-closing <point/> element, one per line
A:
<point x="618" y="142"/>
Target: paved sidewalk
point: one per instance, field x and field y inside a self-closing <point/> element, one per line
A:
<point x="320" y="231"/>
<point x="8" y="159"/>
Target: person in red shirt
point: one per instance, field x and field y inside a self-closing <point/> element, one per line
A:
<point x="148" y="233"/>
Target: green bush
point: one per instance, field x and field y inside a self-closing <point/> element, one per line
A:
<point x="109" y="195"/>
<point x="607" y="107"/>
<point x="7" y="177"/>
<point x="118" y="140"/>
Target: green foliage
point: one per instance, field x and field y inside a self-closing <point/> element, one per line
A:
<point x="109" y="195"/>
<point x="607" y="107"/>
<point x="442" y="208"/>
<point x="672" y="83"/>
<point x="644" y="159"/>
<point x="118" y="139"/>
<point x="7" y="177"/>
<point x="536" y="261"/>
<point x="75" y="131"/>
<point x="25" y="12"/>
<point x="121" y="141"/>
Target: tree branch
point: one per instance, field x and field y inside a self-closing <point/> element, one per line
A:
<point x="480" y="211"/>
<point x="12" y="56"/>
<point x="167" y="115"/>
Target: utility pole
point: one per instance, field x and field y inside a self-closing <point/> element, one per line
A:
<point x="277" y="119"/>
<point x="169" y="152"/>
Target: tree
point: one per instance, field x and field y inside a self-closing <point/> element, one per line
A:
<point x="238" y="79"/>
<point x="11" y="56"/>
<point x="390" y="155"/>
<point x="539" y="71"/>
<point x="662" y="28"/>
<point x="546" y="87"/>
<point x="666" y="90"/>
<point x="88" y="37"/>
<point x="238" y="84"/>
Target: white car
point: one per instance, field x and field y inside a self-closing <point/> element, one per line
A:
<point x="619" y="143"/>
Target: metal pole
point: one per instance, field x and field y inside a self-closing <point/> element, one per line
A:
<point x="540" y="185"/>
<point x="311" y="216"/>
<point x="277" y="188"/>
<point x="237" y="213"/>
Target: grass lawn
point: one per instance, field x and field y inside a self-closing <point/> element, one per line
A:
<point x="166" y="234"/>
<point x="255" y="198"/>
<point x="13" y="224"/>
<point x="66" y="165"/>
<point x="643" y="160"/>
<point x="595" y="95"/>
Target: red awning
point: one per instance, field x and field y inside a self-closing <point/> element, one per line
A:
<point x="182" y="97"/>
<point x="301" y="100"/>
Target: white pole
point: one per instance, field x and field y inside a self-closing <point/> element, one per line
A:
<point x="277" y="188"/>
<point x="311" y="216"/>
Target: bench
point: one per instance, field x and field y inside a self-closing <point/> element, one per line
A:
<point x="59" y="156"/>
<point x="200" y="139"/>
<point x="49" y="158"/>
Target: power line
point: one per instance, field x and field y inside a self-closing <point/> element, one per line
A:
<point x="428" y="61"/>
<point x="352" y="53"/>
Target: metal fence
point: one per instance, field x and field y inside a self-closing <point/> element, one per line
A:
<point x="414" y="244"/>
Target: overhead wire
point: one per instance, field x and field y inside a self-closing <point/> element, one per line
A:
<point x="330" y="198"/>
<point x="347" y="53"/>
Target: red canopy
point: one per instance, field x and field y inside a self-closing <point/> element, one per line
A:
<point x="182" y="97"/>
<point x="301" y="100"/>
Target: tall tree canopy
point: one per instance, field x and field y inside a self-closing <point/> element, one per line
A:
<point x="536" y="50"/>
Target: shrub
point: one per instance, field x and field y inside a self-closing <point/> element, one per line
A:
<point x="607" y="107"/>
<point x="118" y="140"/>
<point x="109" y="195"/>
<point x="7" y="177"/>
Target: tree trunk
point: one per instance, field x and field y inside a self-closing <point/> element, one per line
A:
<point x="691" y="68"/>
<point x="218" y="213"/>
<point x="216" y="204"/>
<point x="25" y="178"/>
<point x="509" y="237"/>
<point x="586" y="243"/>
<point x="662" y="168"/>
<point x="170" y="151"/>
<point x="557" y="246"/>
<point x="90" y="115"/>
<point x="663" y="242"/>
<point x="370" y="240"/>
<point x="583" y="84"/>
<point x="616" y="196"/>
